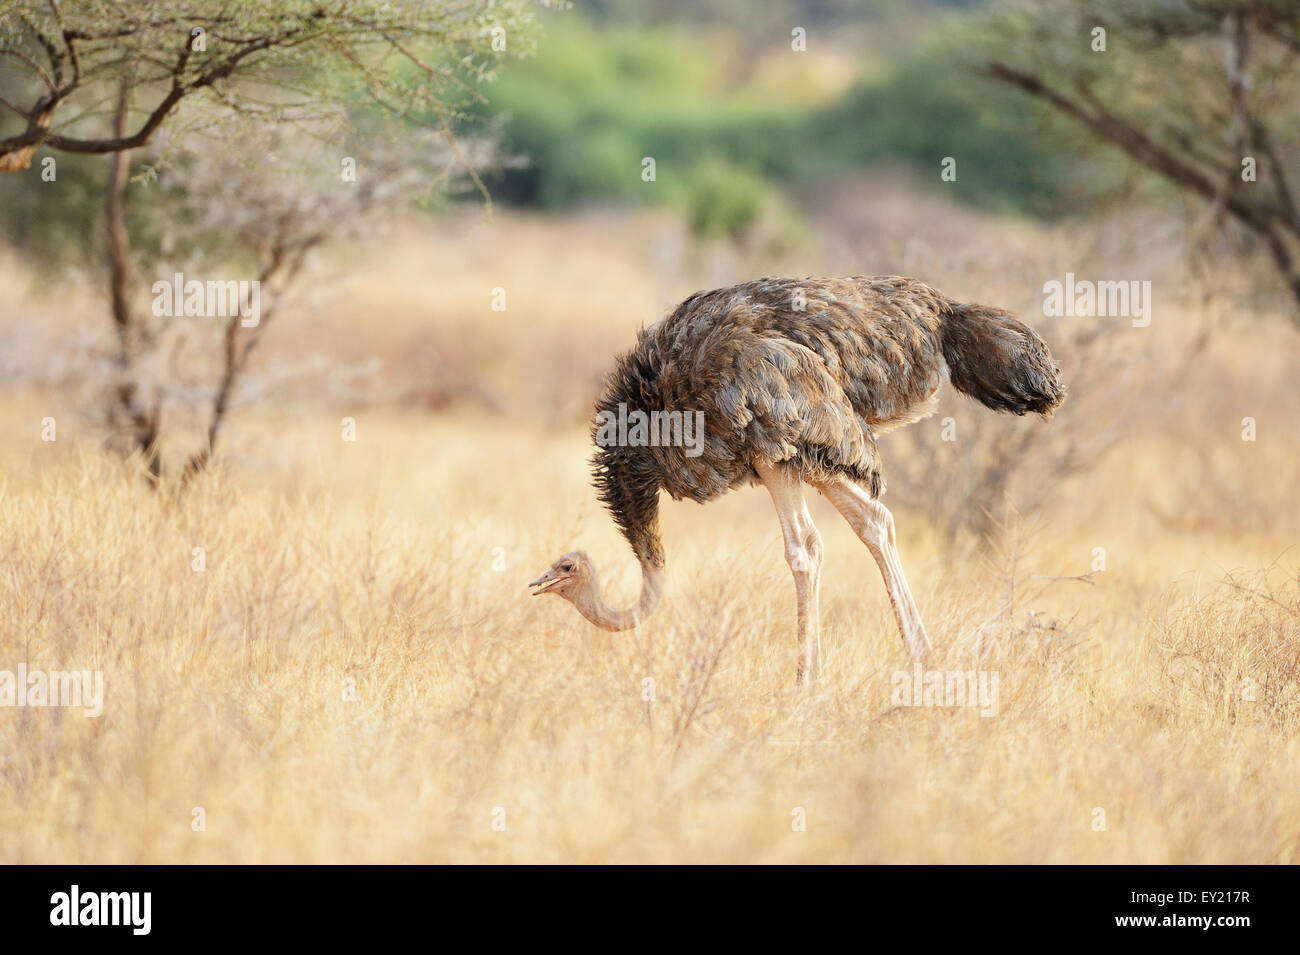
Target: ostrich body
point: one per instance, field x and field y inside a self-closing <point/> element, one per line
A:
<point x="796" y="378"/>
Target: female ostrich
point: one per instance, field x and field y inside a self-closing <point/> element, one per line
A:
<point x="796" y="378"/>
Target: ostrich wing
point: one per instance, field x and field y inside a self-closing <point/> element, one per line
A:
<point x="766" y="398"/>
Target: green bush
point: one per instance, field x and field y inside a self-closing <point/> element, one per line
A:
<point x="593" y="103"/>
<point x="724" y="200"/>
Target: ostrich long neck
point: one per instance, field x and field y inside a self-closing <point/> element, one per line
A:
<point x="592" y="605"/>
<point x="627" y="481"/>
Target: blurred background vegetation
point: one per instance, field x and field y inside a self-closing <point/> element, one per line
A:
<point x="714" y="93"/>
<point x="731" y="116"/>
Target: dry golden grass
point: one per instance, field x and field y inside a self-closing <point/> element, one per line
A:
<point x="399" y="562"/>
<point x="396" y="564"/>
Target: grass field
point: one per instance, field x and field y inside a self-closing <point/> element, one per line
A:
<point x="358" y="674"/>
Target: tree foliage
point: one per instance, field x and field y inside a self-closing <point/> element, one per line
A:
<point x="63" y="62"/>
<point x="217" y="84"/>
<point x="1204" y="93"/>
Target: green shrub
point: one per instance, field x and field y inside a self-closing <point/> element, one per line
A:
<point x="594" y="102"/>
<point x="724" y="200"/>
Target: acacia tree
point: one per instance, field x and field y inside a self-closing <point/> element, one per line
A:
<point x="67" y="62"/>
<point x="1203" y="93"/>
<point x="96" y="77"/>
<point x="290" y="201"/>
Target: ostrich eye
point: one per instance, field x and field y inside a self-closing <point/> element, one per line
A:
<point x="566" y="567"/>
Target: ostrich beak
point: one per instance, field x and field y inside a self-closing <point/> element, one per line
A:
<point x="549" y="579"/>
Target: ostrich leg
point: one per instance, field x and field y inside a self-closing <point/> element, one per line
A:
<point x="803" y="552"/>
<point x="873" y="523"/>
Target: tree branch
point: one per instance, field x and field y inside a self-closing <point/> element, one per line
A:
<point x="1136" y="144"/>
<point x="1277" y="225"/>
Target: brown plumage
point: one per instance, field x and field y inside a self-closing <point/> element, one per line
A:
<point x="796" y="378"/>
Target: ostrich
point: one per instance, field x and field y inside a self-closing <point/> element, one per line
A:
<point x="796" y="378"/>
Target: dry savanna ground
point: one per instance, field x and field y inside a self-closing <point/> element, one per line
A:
<point x="357" y="672"/>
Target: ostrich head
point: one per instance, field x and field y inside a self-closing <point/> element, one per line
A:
<point x="573" y="577"/>
<point x="568" y="577"/>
